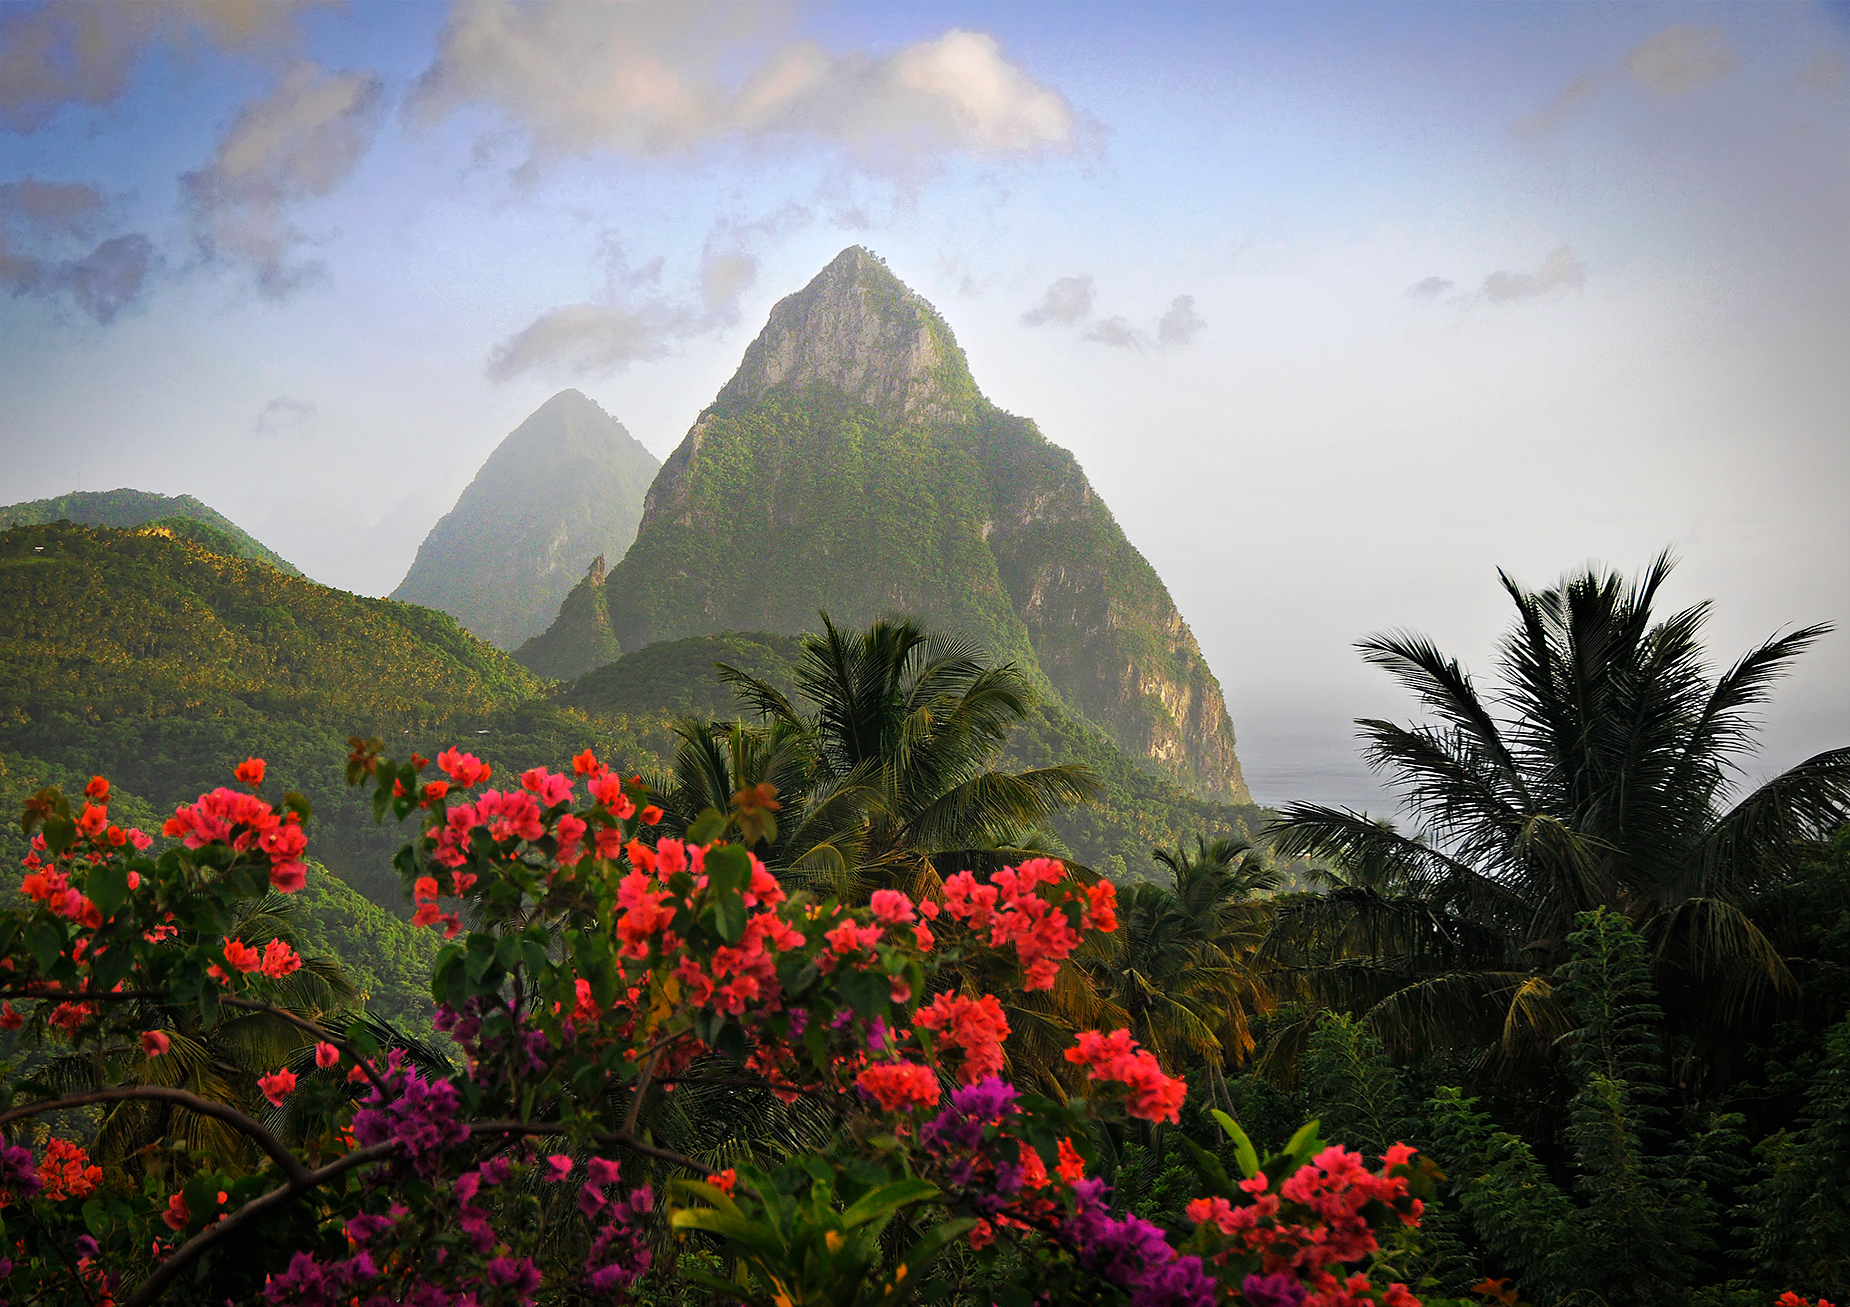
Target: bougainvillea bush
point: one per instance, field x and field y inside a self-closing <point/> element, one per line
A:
<point x="590" y="972"/>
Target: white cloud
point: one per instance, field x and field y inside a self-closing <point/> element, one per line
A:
<point x="1116" y="332"/>
<point x="1068" y="300"/>
<point x="299" y="142"/>
<point x="1429" y="288"/>
<point x="590" y="339"/>
<point x="82" y="52"/>
<point x="1680" y="59"/>
<point x="44" y="229"/>
<point x="658" y="79"/>
<point x="1560" y="270"/>
<point x="1180" y="324"/>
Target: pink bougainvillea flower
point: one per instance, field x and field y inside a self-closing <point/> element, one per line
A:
<point x="154" y="1043"/>
<point x="326" y="1055"/>
<point x="277" y="1086"/>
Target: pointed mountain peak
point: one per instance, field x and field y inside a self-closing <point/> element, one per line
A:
<point x="860" y="330"/>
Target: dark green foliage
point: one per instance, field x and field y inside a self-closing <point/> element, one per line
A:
<point x="180" y="515"/>
<point x="385" y="958"/>
<point x="1351" y="1089"/>
<point x="1798" y="1216"/>
<point x="1647" y="1210"/>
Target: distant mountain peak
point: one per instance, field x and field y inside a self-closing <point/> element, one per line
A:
<point x="860" y="330"/>
<point x="565" y="485"/>
<point x="852" y="465"/>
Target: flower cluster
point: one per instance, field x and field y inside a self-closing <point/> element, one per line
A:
<point x="1010" y="912"/>
<point x="1153" y="1096"/>
<point x="1304" y="1232"/>
<point x="418" y="1115"/>
<point x="245" y="822"/>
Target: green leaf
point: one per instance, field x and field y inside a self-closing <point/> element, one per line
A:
<point x="886" y="1200"/>
<point x="1304" y="1144"/>
<point x="108" y="887"/>
<point x="729" y="918"/>
<point x="60" y="833"/>
<point x="729" y="869"/>
<point x="706" y="828"/>
<point x="1243" y="1150"/>
<point x="47" y="942"/>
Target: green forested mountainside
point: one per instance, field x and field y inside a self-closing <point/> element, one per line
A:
<point x="162" y="664"/>
<point x="852" y="465"/>
<point x="579" y="636"/>
<point x="181" y="514"/>
<point x="566" y="486"/>
<point x="388" y="958"/>
<point x="677" y="677"/>
<point x="1135" y="811"/>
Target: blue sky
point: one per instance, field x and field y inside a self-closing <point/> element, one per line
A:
<point x="1446" y="287"/>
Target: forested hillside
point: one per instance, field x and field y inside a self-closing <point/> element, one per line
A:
<point x="181" y="514"/>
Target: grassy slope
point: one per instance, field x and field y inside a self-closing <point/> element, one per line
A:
<point x="181" y="514"/>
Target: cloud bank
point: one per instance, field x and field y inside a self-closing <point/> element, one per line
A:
<point x="1068" y="300"/>
<point x="299" y="142"/>
<point x="44" y="227"/>
<point x="82" y="52"/>
<point x="661" y="79"/>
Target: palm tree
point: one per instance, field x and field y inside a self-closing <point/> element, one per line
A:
<point x="890" y="777"/>
<point x="1179" y="970"/>
<point x="1598" y="774"/>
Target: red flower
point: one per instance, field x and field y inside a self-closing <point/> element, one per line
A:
<point x="326" y="1055"/>
<point x="97" y="789"/>
<point x="277" y="1086"/>
<point x="154" y="1043"/>
<point x="899" y="1086"/>
<point x="250" y="772"/>
<point x="585" y="764"/>
<point x="651" y="815"/>
<point x="242" y="956"/>
<point x="176" y="1217"/>
<point x="279" y="960"/>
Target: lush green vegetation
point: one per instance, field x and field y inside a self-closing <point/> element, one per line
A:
<point x="179" y="515"/>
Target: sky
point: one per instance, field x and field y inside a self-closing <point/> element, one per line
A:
<point x="1342" y="308"/>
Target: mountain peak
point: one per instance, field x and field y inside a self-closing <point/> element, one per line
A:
<point x="860" y="330"/>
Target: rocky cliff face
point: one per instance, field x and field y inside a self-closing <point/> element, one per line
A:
<point x="566" y="485"/>
<point x="852" y="464"/>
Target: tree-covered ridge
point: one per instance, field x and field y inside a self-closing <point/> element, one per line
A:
<point x="566" y="486"/>
<point x="853" y="465"/>
<point x="179" y="514"/>
<point x="152" y="657"/>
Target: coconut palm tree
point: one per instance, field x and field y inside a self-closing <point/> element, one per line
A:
<point x="1600" y="772"/>
<point x="889" y="777"/>
<point x="1179" y="970"/>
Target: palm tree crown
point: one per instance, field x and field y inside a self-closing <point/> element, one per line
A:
<point x="1599" y="774"/>
<point x="890" y="775"/>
